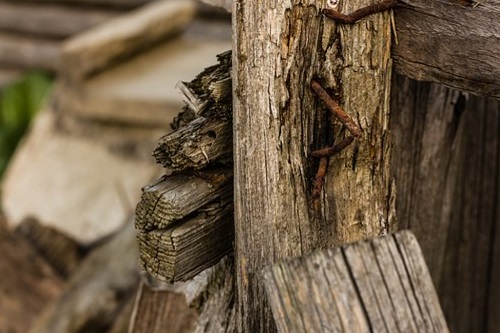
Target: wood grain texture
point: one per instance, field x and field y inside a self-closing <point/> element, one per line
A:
<point x="446" y="42"/>
<point x="50" y="20"/>
<point x="380" y="285"/>
<point x="278" y="121"/>
<point x="182" y="251"/>
<point x="172" y="198"/>
<point x="157" y="312"/>
<point x="446" y="164"/>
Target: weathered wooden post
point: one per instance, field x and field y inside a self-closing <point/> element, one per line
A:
<point x="278" y="48"/>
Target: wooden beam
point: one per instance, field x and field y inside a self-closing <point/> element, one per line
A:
<point x="50" y="20"/>
<point x="450" y="43"/>
<point x="278" y="121"/>
<point x="380" y="285"/>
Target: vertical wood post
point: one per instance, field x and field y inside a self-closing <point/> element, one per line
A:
<point x="279" y="46"/>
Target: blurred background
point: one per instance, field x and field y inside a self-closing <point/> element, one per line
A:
<point x="87" y="87"/>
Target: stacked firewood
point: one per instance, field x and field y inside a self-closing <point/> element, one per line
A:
<point x="32" y="32"/>
<point x="185" y="218"/>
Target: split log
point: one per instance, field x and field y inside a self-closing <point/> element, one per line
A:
<point x="28" y="282"/>
<point x="97" y="290"/>
<point x="380" y="285"/>
<point x="180" y="252"/>
<point x="60" y="250"/>
<point x="196" y="145"/>
<point x="101" y="47"/>
<point x="173" y="198"/>
<point x="28" y="52"/>
<point x="50" y="20"/>
<point x="207" y="138"/>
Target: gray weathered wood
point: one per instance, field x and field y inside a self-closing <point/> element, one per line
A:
<point x="456" y="43"/>
<point x="380" y="285"/>
<point x="101" y="47"/>
<point x="50" y="20"/>
<point x="278" y="121"/>
<point x="449" y="43"/>
<point x="208" y="138"/>
<point x="29" y="52"/>
<point x="194" y="146"/>
<point x="174" y="197"/>
<point x="182" y="251"/>
<point x="446" y="164"/>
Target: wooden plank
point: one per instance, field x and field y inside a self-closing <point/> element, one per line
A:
<point x="50" y="20"/>
<point x="182" y="251"/>
<point x="103" y="46"/>
<point x="29" y="52"/>
<point x="28" y="282"/>
<point x="172" y="198"/>
<point x="446" y="161"/>
<point x="451" y="43"/>
<point x="380" y="285"/>
<point x="278" y="121"/>
<point x="161" y="311"/>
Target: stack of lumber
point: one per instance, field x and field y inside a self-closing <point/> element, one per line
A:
<point x="32" y="32"/>
<point x="185" y="218"/>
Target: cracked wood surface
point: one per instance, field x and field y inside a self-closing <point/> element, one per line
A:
<point x="277" y="123"/>
<point x="380" y="285"/>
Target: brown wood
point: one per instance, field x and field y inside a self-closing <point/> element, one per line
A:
<point x="98" y="289"/>
<point x="50" y="20"/>
<point x="61" y="251"/>
<point x="9" y="75"/>
<point x="28" y="282"/>
<point x="446" y="164"/>
<point x="104" y="46"/>
<point x="380" y="285"/>
<point x="29" y="52"/>
<point x="161" y="311"/>
<point x="182" y="251"/>
<point x="277" y="123"/>
<point x="450" y="43"/>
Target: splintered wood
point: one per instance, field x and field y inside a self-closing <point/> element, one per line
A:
<point x="185" y="220"/>
<point x="380" y="285"/>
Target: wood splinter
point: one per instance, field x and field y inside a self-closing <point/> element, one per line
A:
<point x="360" y="13"/>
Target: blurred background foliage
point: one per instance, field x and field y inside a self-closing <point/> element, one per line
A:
<point x="19" y="102"/>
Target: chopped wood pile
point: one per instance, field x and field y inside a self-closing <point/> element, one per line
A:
<point x="32" y="32"/>
<point x="185" y="219"/>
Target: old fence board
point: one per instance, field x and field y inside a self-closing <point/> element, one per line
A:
<point x="380" y="285"/>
